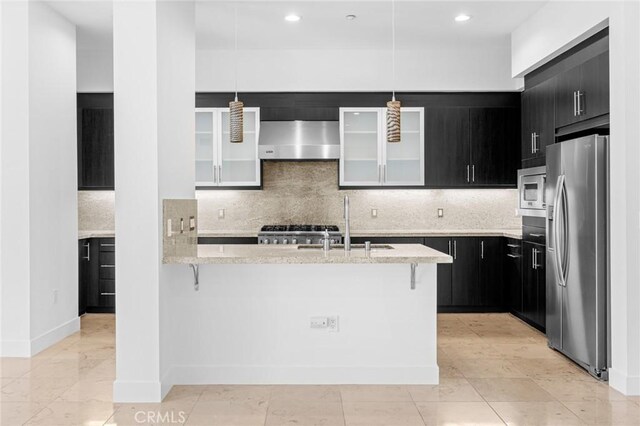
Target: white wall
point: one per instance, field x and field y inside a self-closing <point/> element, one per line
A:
<point x="39" y="218"/>
<point x="437" y="67"/>
<point x="543" y="36"/>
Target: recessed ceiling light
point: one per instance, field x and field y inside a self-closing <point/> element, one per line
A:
<point x="350" y="17"/>
<point x="462" y="18"/>
<point x="292" y="18"/>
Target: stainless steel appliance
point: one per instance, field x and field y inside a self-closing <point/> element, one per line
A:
<point x="577" y="276"/>
<point x="298" y="234"/>
<point x="531" y="191"/>
<point x="299" y="140"/>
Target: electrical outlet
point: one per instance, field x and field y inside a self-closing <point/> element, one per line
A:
<point x="319" y="322"/>
<point x="329" y="323"/>
<point x="332" y="324"/>
<point x="374" y="213"/>
<point x="440" y="212"/>
<point x="220" y="213"/>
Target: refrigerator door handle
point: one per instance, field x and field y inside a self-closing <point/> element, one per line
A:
<point x="556" y="209"/>
<point x="565" y="234"/>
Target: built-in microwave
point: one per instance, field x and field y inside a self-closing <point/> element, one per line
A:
<point x="531" y="191"/>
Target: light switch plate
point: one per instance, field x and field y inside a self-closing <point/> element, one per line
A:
<point x="374" y="213"/>
<point x="440" y="212"/>
<point x="220" y="213"/>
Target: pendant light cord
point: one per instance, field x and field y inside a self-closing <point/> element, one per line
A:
<point x="235" y="47"/>
<point x="393" y="50"/>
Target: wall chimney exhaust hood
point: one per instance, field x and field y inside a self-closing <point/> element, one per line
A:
<point x="299" y="140"/>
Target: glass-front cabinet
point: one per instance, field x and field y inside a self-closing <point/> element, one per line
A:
<point x="219" y="162"/>
<point x="367" y="159"/>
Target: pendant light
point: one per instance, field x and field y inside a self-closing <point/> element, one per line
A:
<point x="393" y="106"/>
<point x="236" y="108"/>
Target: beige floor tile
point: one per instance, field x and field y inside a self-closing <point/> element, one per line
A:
<point x="16" y="367"/>
<point x="552" y="368"/>
<point x="184" y="394"/>
<point x="618" y="413"/>
<point x="36" y="389"/>
<point x="470" y="351"/>
<point x="89" y="390"/>
<point x="17" y="413"/>
<point x="570" y="390"/>
<point x="381" y="413"/>
<point x="373" y="393"/>
<point x="62" y="413"/>
<point x="149" y="414"/>
<point x="487" y="368"/>
<point x="305" y="393"/>
<point x="449" y="389"/>
<point x="291" y="412"/>
<point x="447" y="369"/>
<point x="515" y="351"/>
<point x="54" y="368"/>
<point x="106" y="369"/>
<point x="551" y="413"/>
<point x="510" y="390"/>
<point x="228" y="413"/>
<point x="4" y="381"/>
<point x="236" y="393"/>
<point x="458" y="413"/>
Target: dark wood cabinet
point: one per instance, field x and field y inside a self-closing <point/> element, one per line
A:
<point x="512" y="268"/>
<point x="538" y="122"/>
<point x="96" y="286"/>
<point x="533" y="284"/>
<point x="447" y="147"/>
<point x="465" y="283"/>
<point x="445" y="270"/>
<point x="495" y="151"/>
<point x="583" y="91"/>
<point x="491" y="272"/>
<point x="95" y="131"/>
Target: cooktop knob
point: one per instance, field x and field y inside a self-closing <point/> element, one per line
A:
<point x="308" y="240"/>
<point x="285" y="241"/>
<point x="294" y="241"/>
<point x="275" y="241"/>
<point x="265" y="241"/>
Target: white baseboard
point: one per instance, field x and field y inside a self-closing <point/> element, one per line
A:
<point x="54" y="335"/>
<point x="132" y="391"/>
<point x="628" y="385"/>
<point x="29" y="348"/>
<point x="259" y="374"/>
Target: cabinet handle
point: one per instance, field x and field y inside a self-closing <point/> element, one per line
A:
<point x="449" y="247"/>
<point x="537" y="235"/>
<point x="380" y="173"/>
<point x="575" y="105"/>
<point x="384" y="173"/>
<point x="220" y="173"/>
<point x="534" y="136"/>
<point x="515" y="256"/>
<point x="107" y="294"/>
<point x="455" y="249"/>
<point x="481" y="249"/>
<point x="473" y="173"/>
<point x="534" y="263"/>
<point x="107" y="245"/>
<point x="532" y="148"/>
<point x="107" y="266"/>
<point x="467" y="173"/>
<point x="578" y="95"/>
<point x="513" y="245"/>
<point x="88" y="256"/>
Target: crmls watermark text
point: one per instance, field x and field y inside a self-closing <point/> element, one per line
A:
<point x="164" y="417"/>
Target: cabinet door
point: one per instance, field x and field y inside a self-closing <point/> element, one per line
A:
<point x="84" y="253"/>
<point x="360" y="147"/>
<point x="594" y="87"/>
<point x="238" y="163"/>
<point x="528" y="119"/>
<point x="495" y="150"/>
<point x="447" y="146"/>
<point x="442" y="244"/>
<point x="544" y="110"/>
<point x="95" y="150"/>
<point x="566" y="102"/>
<point x="490" y="275"/>
<point x="206" y="154"/>
<point x="513" y="279"/>
<point x="403" y="162"/>
<point x="90" y="264"/>
<point x="465" y="286"/>
<point x="541" y="312"/>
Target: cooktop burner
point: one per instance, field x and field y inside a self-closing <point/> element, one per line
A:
<point x="298" y="234"/>
<point x="299" y="228"/>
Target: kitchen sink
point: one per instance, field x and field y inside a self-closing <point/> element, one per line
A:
<point x="341" y="246"/>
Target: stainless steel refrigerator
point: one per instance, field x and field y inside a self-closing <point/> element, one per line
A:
<point x="577" y="276"/>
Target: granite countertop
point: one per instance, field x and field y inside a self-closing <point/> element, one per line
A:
<point x="258" y="254"/>
<point x="83" y="235"/>
<point x="508" y="232"/>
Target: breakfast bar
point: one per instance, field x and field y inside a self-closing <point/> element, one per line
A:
<point x="328" y="317"/>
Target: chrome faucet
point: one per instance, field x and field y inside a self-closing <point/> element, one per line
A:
<point x="347" y="229"/>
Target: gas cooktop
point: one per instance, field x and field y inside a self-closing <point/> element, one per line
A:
<point x="298" y="234"/>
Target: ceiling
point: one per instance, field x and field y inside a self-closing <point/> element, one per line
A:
<point x="261" y="24"/>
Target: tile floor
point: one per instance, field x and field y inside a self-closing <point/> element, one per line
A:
<point x="494" y="370"/>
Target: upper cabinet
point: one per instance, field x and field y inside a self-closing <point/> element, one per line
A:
<point x="368" y="160"/>
<point x="538" y="130"/>
<point x="583" y="91"/>
<point x="220" y="163"/>
<point x="472" y="147"/>
<point x="95" y="141"/>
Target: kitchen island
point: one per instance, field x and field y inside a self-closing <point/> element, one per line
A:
<point x="297" y="314"/>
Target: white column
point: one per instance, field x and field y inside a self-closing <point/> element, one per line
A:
<point x="154" y="92"/>
<point x="38" y="185"/>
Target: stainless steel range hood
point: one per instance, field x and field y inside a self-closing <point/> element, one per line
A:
<point x="299" y="140"/>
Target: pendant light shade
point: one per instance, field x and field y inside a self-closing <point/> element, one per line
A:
<point x="393" y="121"/>
<point x="236" y="114"/>
<point x="393" y="106"/>
<point x="236" y="108"/>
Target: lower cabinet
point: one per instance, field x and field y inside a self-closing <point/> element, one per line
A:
<point x="534" y="284"/>
<point x="513" y="275"/>
<point x="97" y="276"/>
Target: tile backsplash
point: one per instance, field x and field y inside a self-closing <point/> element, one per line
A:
<point x="307" y="192"/>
